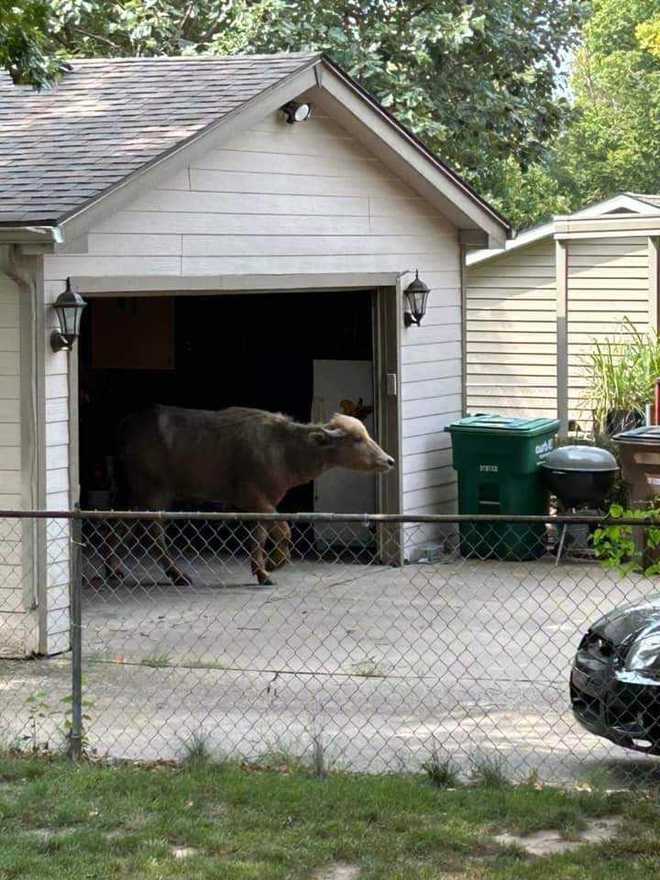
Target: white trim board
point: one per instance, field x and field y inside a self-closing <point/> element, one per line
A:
<point x="156" y="285"/>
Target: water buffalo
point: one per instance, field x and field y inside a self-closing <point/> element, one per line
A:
<point x="247" y="459"/>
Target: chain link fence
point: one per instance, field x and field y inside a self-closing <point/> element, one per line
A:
<point x="464" y="654"/>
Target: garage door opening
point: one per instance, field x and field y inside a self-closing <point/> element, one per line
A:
<point x="305" y="354"/>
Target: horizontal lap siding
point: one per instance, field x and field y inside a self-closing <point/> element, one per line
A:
<point x="12" y="583"/>
<point x="511" y="332"/>
<point x="607" y="283"/>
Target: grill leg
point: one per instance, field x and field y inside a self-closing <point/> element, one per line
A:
<point x="562" y="539"/>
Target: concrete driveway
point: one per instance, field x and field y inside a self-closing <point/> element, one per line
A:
<point x="376" y="666"/>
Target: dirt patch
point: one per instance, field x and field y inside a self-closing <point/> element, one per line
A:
<point x="339" y="871"/>
<point x="550" y="843"/>
<point x="184" y="852"/>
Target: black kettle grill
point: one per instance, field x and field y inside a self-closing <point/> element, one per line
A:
<point x="580" y="476"/>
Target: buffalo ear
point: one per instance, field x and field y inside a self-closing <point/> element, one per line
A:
<point x="326" y="436"/>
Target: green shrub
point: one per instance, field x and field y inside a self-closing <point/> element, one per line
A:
<point x="615" y="545"/>
<point x="621" y="374"/>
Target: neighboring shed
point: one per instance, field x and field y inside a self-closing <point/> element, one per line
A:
<point x="226" y="257"/>
<point x="534" y="309"/>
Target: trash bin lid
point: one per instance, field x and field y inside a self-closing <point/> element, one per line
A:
<point x="648" y="434"/>
<point x="583" y="459"/>
<point x="503" y="426"/>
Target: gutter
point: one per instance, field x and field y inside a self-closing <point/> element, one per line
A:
<point x="31" y="235"/>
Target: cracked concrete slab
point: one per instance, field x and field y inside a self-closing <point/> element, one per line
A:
<point x="382" y="665"/>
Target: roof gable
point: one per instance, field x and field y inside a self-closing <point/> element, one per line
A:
<point x="108" y="121"/>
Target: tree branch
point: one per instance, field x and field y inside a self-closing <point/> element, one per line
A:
<point x="98" y="37"/>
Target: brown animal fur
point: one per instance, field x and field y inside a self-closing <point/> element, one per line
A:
<point x="247" y="459"/>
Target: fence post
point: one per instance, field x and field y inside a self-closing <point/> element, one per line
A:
<point x="75" y="732"/>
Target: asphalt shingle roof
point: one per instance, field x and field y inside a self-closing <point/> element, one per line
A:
<point x="106" y="118"/>
<point x="653" y="200"/>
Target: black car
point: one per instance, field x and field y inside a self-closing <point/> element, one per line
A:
<point x="615" y="680"/>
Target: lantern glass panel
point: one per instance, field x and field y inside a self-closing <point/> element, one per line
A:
<point x="69" y="307"/>
<point x="418" y="306"/>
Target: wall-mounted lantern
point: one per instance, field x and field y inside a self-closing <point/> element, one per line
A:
<point x="417" y="294"/>
<point x="296" y="112"/>
<point x="69" y="306"/>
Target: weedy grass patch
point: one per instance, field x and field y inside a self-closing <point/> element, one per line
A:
<point x="204" y="820"/>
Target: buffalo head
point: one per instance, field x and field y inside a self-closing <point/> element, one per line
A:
<point x="349" y="445"/>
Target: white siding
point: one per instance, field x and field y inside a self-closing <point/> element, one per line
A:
<point x="57" y="490"/>
<point x="511" y="333"/>
<point x="12" y="574"/>
<point x="283" y="199"/>
<point x="607" y="283"/>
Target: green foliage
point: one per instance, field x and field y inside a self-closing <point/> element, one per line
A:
<point x="528" y="196"/>
<point x="157" y="661"/>
<point x="648" y="36"/>
<point x="621" y="374"/>
<point x="477" y="81"/>
<point x="25" y="49"/>
<point x="241" y="823"/>
<point x="196" y="751"/>
<point x="442" y="773"/>
<point x="615" y="545"/>
<point x="489" y="771"/>
<point x="90" y="28"/>
<point x="613" y="144"/>
<point x="41" y="721"/>
<point x="38" y="711"/>
<point x="480" y="82"/>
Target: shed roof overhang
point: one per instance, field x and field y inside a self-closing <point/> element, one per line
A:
<point x="608" y="226"/>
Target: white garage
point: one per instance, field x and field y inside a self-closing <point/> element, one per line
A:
<point x="227" y="254"/>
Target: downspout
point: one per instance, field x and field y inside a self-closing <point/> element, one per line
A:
<point x="32" y="448"/>
<point x="462" y="252"/>
<point x="561" y="282"/>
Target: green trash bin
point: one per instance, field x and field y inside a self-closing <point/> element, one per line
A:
<point x="497" y="459"/>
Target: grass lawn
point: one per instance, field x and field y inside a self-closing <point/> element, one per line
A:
<point x="205" y="820"/>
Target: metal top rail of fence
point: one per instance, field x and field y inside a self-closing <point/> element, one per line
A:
<point x="410" y="519"/>
<point x="479" y="649"/>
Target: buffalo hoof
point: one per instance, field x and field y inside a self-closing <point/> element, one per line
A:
<point x="264" y="580"/>
<point x="179" y="579"/>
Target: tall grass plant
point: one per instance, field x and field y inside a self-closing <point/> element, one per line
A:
<point x="621" y="375"/>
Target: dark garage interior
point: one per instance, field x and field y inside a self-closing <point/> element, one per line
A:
<point x="207" y="352"/>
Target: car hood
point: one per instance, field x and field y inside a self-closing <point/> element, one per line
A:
<point x="630" y="620"/>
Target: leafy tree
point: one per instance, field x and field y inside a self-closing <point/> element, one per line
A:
<point x="614" y="142"/>
<point x="476" y="80"/>
<point x="532" y="195"/>
<point x="25" y="50"/>
<point x="648" y="36"/>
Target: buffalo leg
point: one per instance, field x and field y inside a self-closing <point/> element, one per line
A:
<point x="258" y="558"/>
<point x="157" y="536"/>
<point x="280" y="539"/>
<point x="115" y="537"/>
